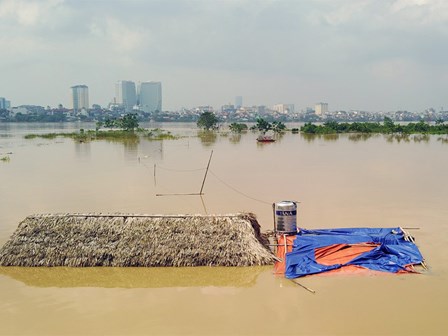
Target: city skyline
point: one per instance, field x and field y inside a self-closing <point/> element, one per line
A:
<point x="147" y="96"/>
<point x="367" y="55"/>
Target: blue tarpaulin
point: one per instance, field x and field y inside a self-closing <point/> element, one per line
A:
<point x="390" y="251"/>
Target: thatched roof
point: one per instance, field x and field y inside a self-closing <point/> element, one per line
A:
<point x="83" y="240"/>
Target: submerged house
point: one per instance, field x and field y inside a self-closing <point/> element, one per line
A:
<point x="130" y="240"/>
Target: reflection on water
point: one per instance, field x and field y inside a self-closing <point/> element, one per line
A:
<point x="359" y="136"/>
<point x="235" y="138"/>
<point x="133" y="149"/>
<point x="421" y="138"/>
<point x="279" y="136"/>
<point x="151" y="149"/>
<point x="130" y="277"/>
<point x="82" y="149"/>
<point x="207" y="138"/>
<point x="330" y="137"/>
<point x="443" y="140"/>
<point x="397" y="137"/>
<point x="313" y="137"/>
<point x="356" y="137"/>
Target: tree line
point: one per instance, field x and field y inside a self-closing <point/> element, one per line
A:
<point x="387" y="127"/>
<point x="209" y="121"/>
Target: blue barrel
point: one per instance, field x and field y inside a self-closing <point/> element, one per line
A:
<point x="286" y="217"/>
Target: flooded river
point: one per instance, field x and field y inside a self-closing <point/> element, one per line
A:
<point x="341" y="181"/>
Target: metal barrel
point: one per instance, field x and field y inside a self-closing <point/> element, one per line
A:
<point x="285" y="215"/>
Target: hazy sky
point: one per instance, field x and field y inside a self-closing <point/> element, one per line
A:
<point x="353" y="54"/>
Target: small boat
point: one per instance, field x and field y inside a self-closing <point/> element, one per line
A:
<point x="265" y="138"/>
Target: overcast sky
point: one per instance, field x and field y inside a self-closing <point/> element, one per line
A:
<point x="353" y="54"/>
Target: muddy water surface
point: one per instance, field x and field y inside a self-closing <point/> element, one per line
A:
<point x="341" y="181"/>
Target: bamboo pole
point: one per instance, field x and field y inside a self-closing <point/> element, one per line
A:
<point x="273" y="213"/>
<point x="191" y="194"/>
<point x="280" y="245"/>
<point x="206" y="171"/>
<point x="203" y="204"/>
<point x="286" y="246"/>
<point x="275" y="231"/>
<point x="277" y="259"/>
<point x="155" y="181"/>
<point x="305" y="287"/>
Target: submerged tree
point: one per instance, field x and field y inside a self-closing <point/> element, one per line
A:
<point x="128" y="123"/>
<point x="207" y="121"/>
<point x="237" y="128"/>
<point x="263" y="126"/>
<point x="109" y="123"/>
<point x="278" y="126"/>
<point x="388" y="127"/>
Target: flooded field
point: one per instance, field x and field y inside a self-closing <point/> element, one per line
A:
<point x="341" y="181"/>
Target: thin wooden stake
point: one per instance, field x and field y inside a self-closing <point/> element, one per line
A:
<point x="286" y="246"/>
<point x="305" y="287"/>
<point x="155" y="181"/>
<point x="192" y="194"/>
<point x="206" y="171"/>
<point x="203" y="204"/>
<point x="273" y="213"/>
<point x="189" y="194"/>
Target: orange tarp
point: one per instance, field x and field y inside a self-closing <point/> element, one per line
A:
<point x="328" y="255"/>
<point x="279" y="267"/>
<point x="340" y="253"/>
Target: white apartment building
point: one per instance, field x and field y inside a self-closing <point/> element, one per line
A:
<point x="284" y="108"/>
<point x="80" y="95"/>
<point x="321" y="108"/>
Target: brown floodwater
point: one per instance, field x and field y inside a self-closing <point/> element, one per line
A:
<point x="341" y="181"/>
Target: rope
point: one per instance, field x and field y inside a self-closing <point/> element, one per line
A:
<point x="237" y="191"/>
<point x="180" y="170"/>
<point x="216" y="176"/>
<point x="171" y="169"/>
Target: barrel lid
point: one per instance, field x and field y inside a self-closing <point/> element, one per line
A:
<point x="286" y="203"/>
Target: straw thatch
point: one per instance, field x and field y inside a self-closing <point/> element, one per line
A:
<point x="83" y="240"/>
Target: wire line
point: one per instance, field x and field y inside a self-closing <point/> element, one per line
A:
<point x="237" y="191"/>
<point x="179" y="170"/>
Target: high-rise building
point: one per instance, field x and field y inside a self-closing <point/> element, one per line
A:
<point x="80" y="95"/>
<point x="238" y="102"/>
<point x="150" y="96"/>
<point x="125" y="94"/>
<point x="4" y="104"/>
<point x="321" y="108"/>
